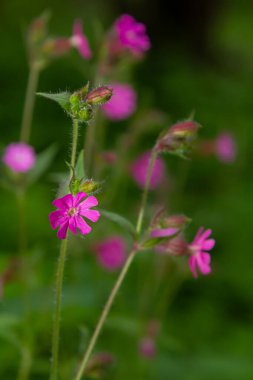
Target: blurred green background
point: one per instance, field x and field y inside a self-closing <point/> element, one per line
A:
<point x="202" y="60"/>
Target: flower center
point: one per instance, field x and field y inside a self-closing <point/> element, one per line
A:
<point x="72" y="211"/>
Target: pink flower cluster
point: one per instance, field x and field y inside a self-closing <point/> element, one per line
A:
<point x="70" y="213"/>
<point x="19" y="157"/>
<point x="122" y="103"/>
<point x="139" y="170"/>
<point x="132" y="34"/>
<point x="111" y="253"/>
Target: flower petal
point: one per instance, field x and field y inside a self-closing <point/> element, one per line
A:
<point x="163" y="232"/>
<point x="192" y="264"/>
<point x="203" y="261"/>
<point x="64" y="202"/>
<point x="56" y="217"/>
<point x="205" y="235"/>
<point x="82" y="225"/>
<point x="92" y="215"/>
<point x="73" y="225"/>
<point x="62" y="232"/>
<point x="78" y="197"/>
<point x="208" y="244"/>
<point x="88" y="202"/>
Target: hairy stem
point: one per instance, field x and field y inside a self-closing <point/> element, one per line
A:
<point x="57" y="313"/>
<point x="60" y="272"/>
<point x="29" y="103"/>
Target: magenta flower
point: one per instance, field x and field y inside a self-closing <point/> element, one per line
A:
<point x="122" y="103"/>
<point x="80" y="41"/>
<point x="147" y="348"/>
<point x="200" y="259"/>
<point x="139" y="171"/>
<point x="111" y="253"/>
<point x="19" y="157"/>
<point x="225" y="147"/>
<point x="70" y="214"/>
<point x="132" y="34"/>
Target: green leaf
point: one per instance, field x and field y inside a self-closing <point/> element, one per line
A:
<point x="80" y="173"/>
<point x="62" y="98"/>
<point x="43" y="162"/>
<point x="120" y="220"/>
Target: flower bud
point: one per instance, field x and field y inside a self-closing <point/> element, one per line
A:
<point x="174" y="247"/>
<point x="89" y="186"/>
<point x="55" y="47"/>
<point x="99" y="95"/>
<point x="178" y="139"/>
<point x="85" y="114"/>
<point x="168" y="226"/>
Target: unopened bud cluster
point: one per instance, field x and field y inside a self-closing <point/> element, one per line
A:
<point x="179" y="138"/>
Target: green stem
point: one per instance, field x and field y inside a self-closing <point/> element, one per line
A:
<point x="122" y="274"/>
<point x="60" y="272"/>
<point x="145" y="193"/>
<point x="26" y="362"/>
<point x="29" y="103"/>
<point x="57" y="314"/>
<point x="74" y="144"/>
<point x="104" y="314"/>
<point x="22" y="239"/>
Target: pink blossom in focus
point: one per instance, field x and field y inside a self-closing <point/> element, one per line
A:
<point x="200" y="259"/>
<point x="70" y="213"/>
<point x="122" y="103"/>
<point x="140" y="167"/>
<point x="132" y="34"/>
<point x="19" y="157"/>
<point x="80" y="41"/>
<point x="225" y="147"/>
<point x="147" y="348"/>
<point x="111" y="253"/>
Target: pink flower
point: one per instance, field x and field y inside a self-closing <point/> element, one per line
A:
<point x="122" y="103"/>
<point x="20" y="157"/>
<point x="111" y="253"/>
<point x="70" y="214"/>
<point x="200" y="259"/>
<point x="80" y="41"/>
<point x="147" y="348"/>
<point x="225" y="147"/>
<point x="132" y="34"/>
<point x="140" y="167"/>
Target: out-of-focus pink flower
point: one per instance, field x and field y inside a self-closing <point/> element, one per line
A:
<point x="147" y="348"/>
<point x="80" y="41"/>
<point x="132" y="34"/>
<point x="139" y="170"/>
<point x="70" y="213"/>
<point x="122" y="103"/>
<point x="111" y="253"/>
<point x="225" y="147"/>
<point x="19" y="157"/>
<point x="200" y="259"/>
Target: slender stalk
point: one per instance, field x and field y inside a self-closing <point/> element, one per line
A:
<point x="122" y="274"/>
<point x="29" y="103"/>
<point x="74" y="144"/>
<point x="60" y="272"/>
<point x="104" y="314"/>
<point x="25" y="364"/>
<point x="145" y="193"/>
<point x="57" y="315"/>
